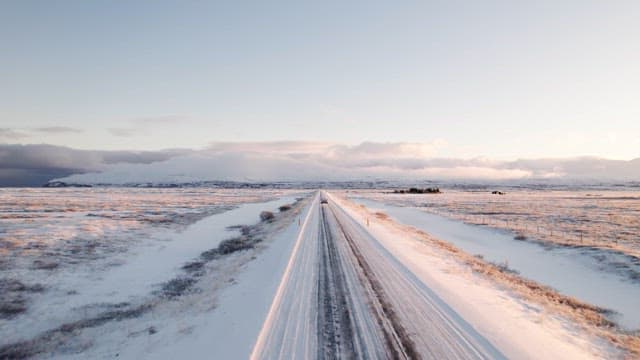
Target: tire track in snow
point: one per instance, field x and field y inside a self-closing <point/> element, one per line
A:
<point x="344" y="296"/>
<point x="398" y="342"/>
<point x="435" y="329"/>
<point x="334" y="322"/>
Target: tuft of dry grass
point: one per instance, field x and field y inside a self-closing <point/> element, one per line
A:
<point x="381" y="216"/>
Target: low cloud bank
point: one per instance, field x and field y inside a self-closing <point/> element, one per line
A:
<point x="34" y="165"/>
<point x="289" y="161"/>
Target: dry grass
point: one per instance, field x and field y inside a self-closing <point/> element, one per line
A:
<point x="600" y="219"/>
<point x="381" y="216"/>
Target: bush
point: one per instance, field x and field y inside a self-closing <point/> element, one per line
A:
<point x="414" y="190"/>
<point x="177" y="287"/>
<point x="236" y="244"/>
<point x="266" y="216"/>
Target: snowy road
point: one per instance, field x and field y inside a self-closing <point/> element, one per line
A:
<point x="343" y="295"/>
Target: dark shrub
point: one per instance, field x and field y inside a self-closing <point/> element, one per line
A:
<point x="413" y="190"/>
<point x="232" y="245"/>
<point x="266" y="216"/>
<point x="177" y="287"/>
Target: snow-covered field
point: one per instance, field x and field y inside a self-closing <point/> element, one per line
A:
<point x="74" y="254"/>
<point x="168" y="273"/>
<point x="516" y="327"/>
<point x="604" y="218"/>
<point x="600" y="275"/>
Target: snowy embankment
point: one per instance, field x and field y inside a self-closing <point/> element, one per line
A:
<point x="231" y="330"/>
<point x="517" y="328"/>
<point x="571" y="271"/>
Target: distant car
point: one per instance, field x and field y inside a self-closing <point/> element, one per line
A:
<point x="324" y="201"/>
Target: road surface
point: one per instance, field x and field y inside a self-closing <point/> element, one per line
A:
<point x="343" y="295"/>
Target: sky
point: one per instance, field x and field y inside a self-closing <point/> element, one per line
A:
<point x="502" y="80"/>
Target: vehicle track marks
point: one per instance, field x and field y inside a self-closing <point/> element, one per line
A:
<point x="335" y="330"/>
<point x="399" y="344"/>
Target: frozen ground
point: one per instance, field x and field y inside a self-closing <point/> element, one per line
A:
<point x="604" y="218"/>
<point x="105" y="249"/>
<point x="345" y="296"/>
<point x="598" y="276"/>
<point x="318" y="280"/>
<point x="518" y="328"/>
<point x="360" y="289"/>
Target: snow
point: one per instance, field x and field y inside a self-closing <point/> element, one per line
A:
<point x="245" y="306"/>
<point x="230" y="330"/>
<point x="518" y="329"/>
<point x="570" y="271"/>
<point x="160" y="262"/>
<point x="291" y="305"/>
<point x="323" y="263"/>
<point x="78" y="292"/>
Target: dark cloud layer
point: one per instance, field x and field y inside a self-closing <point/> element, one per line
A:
<point x="31" y="177"/>
<point x="29" y="165"/>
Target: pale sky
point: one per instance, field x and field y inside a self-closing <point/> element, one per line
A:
<point x="496" y="79"/>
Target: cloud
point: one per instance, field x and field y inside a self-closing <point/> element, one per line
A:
<point x="22" y="165"/>
<point x="17" y="134"/>
<point x="290" y="148"/>
<point x="159" y="120"/>
<point x="366" y="154"/>
<point x="290" y="161"/>
<point x="145" y="125"/>
<point x="140" y="157"/>
<point x="57" y="130"/>
<point x="12" y="134"/>
<point x="125" y="132"/>
<point x="320" y="161"/>
<point x="398" y="150"/>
